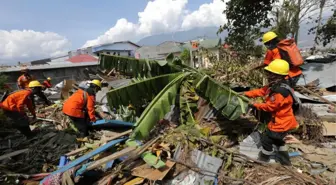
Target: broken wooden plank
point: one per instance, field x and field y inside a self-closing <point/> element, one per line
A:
<point x="112" y="70"/>
<point x="85" y="157"/>
<point x="114" y="156"/>
<point x="137" y="180"/>
<point x="147" y="172"/>
<point x="329" y="129"/>
<point x="12" y="154"/>
<point x="315" y="94"/>
<point x="102" y="142"/>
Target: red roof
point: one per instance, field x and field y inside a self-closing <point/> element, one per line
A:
<point x="82" y="58"/>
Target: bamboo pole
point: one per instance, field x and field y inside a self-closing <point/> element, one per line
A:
<point x="320" y="97"/>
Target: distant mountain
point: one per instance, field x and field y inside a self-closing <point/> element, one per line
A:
<point x="305" y="40"/>
<point x="181" y="36"/>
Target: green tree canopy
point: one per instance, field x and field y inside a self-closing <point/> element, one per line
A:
<point x="245" y="19"/>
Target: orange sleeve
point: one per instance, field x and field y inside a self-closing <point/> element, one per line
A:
<point x="90" y="107"/>
<point x="256" y="92"/>
<point x="271" y="55"/>
<point x="272" y="104"/>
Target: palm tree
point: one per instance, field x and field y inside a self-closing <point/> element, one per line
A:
<point x="168" y="84"/>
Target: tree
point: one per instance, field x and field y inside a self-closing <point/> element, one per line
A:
<point x="245" y="19"/>
<point x="291" y="13"/>
<point x="3" y="80"/>
<point x="171" y="85"/>
<point x="185" y="55"/>
<point x="327" y="32"/>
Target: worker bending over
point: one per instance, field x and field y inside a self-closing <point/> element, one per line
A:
<point x="278" y="101"/>
<point x="24" y="80"/>
<point x="47" y="83"/>
<point x="285" y="49"/>
<point x="14" y="106"/>
<point x="80" y="107"/>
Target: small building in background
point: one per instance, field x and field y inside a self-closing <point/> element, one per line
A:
<point x="160" y="51"/>
<point x="124" y="48"/>
<point x="201" y="51"/>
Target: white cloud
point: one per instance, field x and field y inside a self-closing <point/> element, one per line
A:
<point x="25" y="45"/>
<point x="162" y="16"/>
<point x="207" y="15"/>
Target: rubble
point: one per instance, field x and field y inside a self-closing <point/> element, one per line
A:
<point x="194" y="145"/>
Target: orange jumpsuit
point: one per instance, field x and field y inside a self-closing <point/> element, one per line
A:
<point x="13" y="107"/>
<point x="16" y="102"/>
<point x="275" y="54"/>
<point x="47" y="84"/>
<point x="280" y="107"/>
<point x="75" y="106"/>
<point x="23" y="82"/>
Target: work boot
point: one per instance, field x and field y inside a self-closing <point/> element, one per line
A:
<point x="283" y="158"/>
<point x="263" y="157"/>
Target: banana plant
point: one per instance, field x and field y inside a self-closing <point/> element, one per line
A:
<point x="177" y="85"/>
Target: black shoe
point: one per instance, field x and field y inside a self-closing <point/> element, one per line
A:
<point x="283" y="158"/>
<point x="263" y="157"/>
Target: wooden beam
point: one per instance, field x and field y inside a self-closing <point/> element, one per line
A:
<point x="101" y="142"/>
<point x="114" y="156"/>
<point x="18" y="152"/>
<point x="320" y="97"/>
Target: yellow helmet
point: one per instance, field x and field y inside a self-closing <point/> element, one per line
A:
<point x="97" y="83"/>
<point x="269" y="36"/>
<point x="278" y="66"/>
<point x="49" y="78"/>
<point x="34" y="83"/>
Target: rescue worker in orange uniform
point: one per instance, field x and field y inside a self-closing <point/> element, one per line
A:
<point x="279" y="102"/>
<point x="271" y="40"/>
<point x="14" y="106"/>
<point x="47" y="83"/>
<point x="24" y="79"/>
<point x="80" y="107"/>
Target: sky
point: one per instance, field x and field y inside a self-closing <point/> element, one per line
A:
<point x="35" y="29"/>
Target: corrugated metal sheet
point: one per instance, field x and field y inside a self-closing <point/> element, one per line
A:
<point x="82" y="58"/>
<point x="117" y="46"/>
<point x="49" y="66"/>
<point x="324" y="72"/>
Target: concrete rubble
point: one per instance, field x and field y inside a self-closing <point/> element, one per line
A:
<point x="216" y="151"/>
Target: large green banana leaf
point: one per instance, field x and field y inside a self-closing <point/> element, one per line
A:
<point x="135" y="67"/>
<point x="158" y="108"/>
<point x="222" y="97"/>
<point x="140" y="92"/>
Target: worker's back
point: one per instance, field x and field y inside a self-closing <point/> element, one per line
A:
<point x="16" y="100"/>
<point x="74" y="106"/>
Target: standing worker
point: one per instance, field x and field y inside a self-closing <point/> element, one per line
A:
<point x="80" y="107"/>
<point x="279" y="99"/>
<point x="14" y="104"/>
<point x="283" y="49"/>
<point x="24" y="79"/>
<point x="47" y="83"/>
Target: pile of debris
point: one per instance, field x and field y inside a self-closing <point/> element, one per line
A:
<point x="204" y="148"/>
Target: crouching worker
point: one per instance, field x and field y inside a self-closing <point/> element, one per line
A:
<point x="80" y="107"/>
<point x="14" y="106"/>
<point x="47" y="83"/>
<point x="278" y="101"/>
